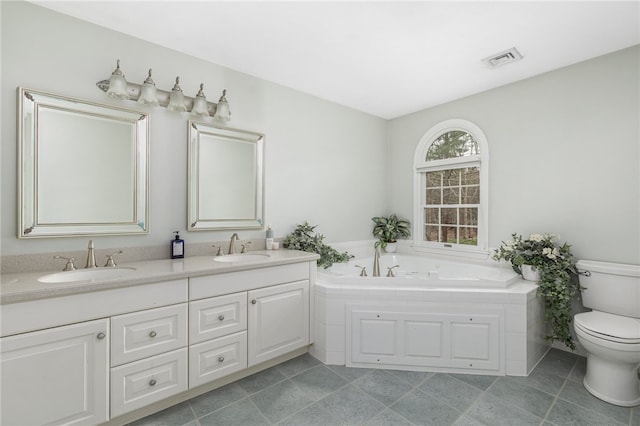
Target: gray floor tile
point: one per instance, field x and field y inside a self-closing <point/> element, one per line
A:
<point x="257" y="382"/>
<point x="414" y="378"/>
<point x="318" y="382"/>
<point x="635" y="416"/>
<point x="451" y="390"/>
<point x="383" y="386"/>
<point x="281" y="400"/>
<point x="557" y="362"/>
<point x="423" y="409"/>
<point x="529" y="399"/>
<point x="491" y="410"/>
<point x="178" y="415"/>
<point x="579" y="370"/>
<point x="349" y="405"/>
<point x="567" y="414"/>
<point x="388" y="418"/>
<point x="466" y="420"/>
<point x="216" y="399"/>
<point x="548" y="383"/>
<point x="313" y="415"/>
<point x="578" y="394"/>
<point x="479" y="381"/>
<point x="243" y="413"/>
<point x="297" y="365"/>
<point x="349" y="373"/>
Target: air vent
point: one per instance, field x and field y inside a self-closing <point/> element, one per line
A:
<point x="502" y="58"/>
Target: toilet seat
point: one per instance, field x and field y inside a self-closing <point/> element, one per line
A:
<point x="615" y="328"/>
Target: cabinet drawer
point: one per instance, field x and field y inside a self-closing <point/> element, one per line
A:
<point x="217" y="358"/>
<point x="143" y="382"/>
<point x="217" y="317"/>
<point x="142" y="334"/>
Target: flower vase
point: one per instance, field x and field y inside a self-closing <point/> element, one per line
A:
<point x="530" y="273"/>
<point x="391" y="247"/>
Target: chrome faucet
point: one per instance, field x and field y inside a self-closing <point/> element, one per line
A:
<point x="91" y="257"/>
<point x="376" y="262"/>
<point x="234" y="238"/>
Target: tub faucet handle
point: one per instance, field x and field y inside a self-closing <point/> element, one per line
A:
<point x="390" y="272"/>
<point x="363" y="270"/>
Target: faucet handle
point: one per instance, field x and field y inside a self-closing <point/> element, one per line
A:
<point x="363" y="270"/>
<point x="390" y="272"/>
<point x="244" y="247"/>
<point x="70" y="266"/>
<point x="110" y="262"/>
<point x="220" y="252"/>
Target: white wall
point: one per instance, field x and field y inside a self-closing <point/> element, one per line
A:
<point x="324" y="163"/>
<point x="564" y="153"/>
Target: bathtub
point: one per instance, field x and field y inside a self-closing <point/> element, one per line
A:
<point x="413" y="270"/>
<point x="435" y="315"/>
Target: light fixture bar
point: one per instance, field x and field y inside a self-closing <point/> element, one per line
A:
<point x="133" y="89"/>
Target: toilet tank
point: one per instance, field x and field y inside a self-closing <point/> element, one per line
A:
<point x="611" y="287"/>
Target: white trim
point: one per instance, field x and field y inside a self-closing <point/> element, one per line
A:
<point x="421" y="165"/>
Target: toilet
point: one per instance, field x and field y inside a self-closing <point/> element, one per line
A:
<point x="610" y="333"/>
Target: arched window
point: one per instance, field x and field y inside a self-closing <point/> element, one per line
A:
<point x="451" y="189"/>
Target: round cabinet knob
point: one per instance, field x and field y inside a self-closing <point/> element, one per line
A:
<point x="101" y="336"/>
<point x="152" y="382"/>
<point x="221" y="359"/>
<point x="153" y="334"/>
<point x="221" y="317"/>
<point x="254" y="301"/>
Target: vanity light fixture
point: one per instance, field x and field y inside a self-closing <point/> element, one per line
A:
<point x="176" y="98"/>
<point x="118" y="87"/>
<point x="148" y="92"/>
<point x="222" y="111"/>
<point x="200" y="104"/>
<point x="117" y="84"/>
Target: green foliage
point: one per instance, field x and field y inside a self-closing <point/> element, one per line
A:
<point x="389" y="229"/>
<point x="303" y="238"/>
<point x="558" y="284"/>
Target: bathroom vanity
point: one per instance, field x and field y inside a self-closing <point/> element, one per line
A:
<point x="117" y="349"/>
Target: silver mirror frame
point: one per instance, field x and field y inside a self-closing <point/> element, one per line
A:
<point x="197" y="217"/>
<point x="31" y="103"/>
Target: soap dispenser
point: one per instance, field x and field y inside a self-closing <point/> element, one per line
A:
<point x="177" y="247"/>
<point x="269" y="240"/>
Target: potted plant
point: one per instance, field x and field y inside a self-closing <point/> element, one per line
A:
<point x="557" y="277"/>
<point x="388" y="229"/>
<point x="303" y="238"/>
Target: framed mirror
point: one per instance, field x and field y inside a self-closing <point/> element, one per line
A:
<point x="83" y="167"/>
<point x="225" y="178"/>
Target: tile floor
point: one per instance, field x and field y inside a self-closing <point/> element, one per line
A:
<point x="304" y="391"/>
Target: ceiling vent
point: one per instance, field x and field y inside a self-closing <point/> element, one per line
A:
<point x="502" y="58"/>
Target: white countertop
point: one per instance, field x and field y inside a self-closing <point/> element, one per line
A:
<point x="23" y="287"/>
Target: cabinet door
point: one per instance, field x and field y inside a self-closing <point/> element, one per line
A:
<point x="56" y="376"/>
<point x="278" y="320"/>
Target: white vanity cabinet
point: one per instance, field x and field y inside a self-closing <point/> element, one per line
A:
<point x="56" y="376"/>
<point x="241" y="319"/>
<point x="278" y="320"/>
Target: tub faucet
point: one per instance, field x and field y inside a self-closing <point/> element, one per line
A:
<point x="232" y="248"/>
<point x="376" y="262"/>
<point x="91" y="257"/>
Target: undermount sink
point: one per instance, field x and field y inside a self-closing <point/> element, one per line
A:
<point x="241" y="258"/>
<point x="94" y="274"/>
